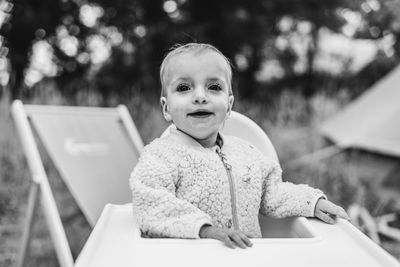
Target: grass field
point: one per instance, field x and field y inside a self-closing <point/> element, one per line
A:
<point x="350" y="177"/>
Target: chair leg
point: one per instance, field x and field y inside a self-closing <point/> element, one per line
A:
<point x="26" y="235"/>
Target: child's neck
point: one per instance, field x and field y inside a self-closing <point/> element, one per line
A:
<point x="207" y="142"/>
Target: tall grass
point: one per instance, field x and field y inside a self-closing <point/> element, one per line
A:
<point x="290" y="121"/>
<point x="13" y="187"/>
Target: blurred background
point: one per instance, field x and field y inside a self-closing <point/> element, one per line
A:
<point x="296" y="64"/>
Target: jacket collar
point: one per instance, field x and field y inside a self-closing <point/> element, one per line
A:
<point x="184" y="138"/>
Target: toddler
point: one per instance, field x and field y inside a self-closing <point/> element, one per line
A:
<point x="197" y="182"/>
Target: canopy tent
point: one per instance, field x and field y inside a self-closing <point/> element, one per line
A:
<point x="371" y="122"/>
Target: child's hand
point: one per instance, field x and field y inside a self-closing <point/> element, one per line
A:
<point x="327" y="211"/>
<point x="231" y="238"/>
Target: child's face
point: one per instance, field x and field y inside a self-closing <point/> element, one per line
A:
<point x="197" y="95"/>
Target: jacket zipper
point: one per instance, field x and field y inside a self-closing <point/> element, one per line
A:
<point x="228" y="169"/>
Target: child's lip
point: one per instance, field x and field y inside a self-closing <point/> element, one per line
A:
<point x="200" y="113"/>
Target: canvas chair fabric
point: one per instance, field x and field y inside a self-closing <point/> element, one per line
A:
<point x="92" y="151"/>
<point x="370" y="122"/>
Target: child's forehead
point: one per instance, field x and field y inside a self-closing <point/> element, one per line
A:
<point x="187" y="59"/>
<point x="193" y="55"/>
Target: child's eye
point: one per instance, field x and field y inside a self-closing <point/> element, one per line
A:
<point x="182" y="88"/>
<point x="215" y="87"/>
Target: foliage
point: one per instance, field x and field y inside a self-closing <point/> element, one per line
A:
<point x="138" y="33"/>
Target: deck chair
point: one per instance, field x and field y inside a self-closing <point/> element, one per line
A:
<point x="94" y="150"/>
<point x="241" y="126"/>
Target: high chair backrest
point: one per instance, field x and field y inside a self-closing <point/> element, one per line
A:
<point x="94" y="150"/>
<point x="241" y="126"/>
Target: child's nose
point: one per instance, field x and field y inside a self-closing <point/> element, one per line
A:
<point x="199" y="96"/>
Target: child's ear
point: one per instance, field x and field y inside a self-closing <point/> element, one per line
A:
<point x="164" y="106"/>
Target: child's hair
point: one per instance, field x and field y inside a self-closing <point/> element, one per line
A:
<point x="192" y="48"/>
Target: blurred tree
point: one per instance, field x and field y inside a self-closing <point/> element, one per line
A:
<point x="30" y="20"/>
<point x="116" y="47"/>
<point x="381" y="22"/>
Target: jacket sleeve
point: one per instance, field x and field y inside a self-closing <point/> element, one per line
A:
<point x="157" y="210"/>
<point x="283" y="199"/>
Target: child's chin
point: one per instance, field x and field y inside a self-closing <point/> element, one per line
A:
<point x="204" y="132"/>
<point x="204" y="137"/>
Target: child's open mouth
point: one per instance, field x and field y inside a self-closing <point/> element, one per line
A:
<point x="200" y="114"/>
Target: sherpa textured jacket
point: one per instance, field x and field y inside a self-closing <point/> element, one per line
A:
<point x="178" y="186"/>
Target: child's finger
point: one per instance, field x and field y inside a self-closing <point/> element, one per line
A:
<point x="336" y="210"/>
<point x="341" y="213"/>
<point x="237" y="239"/>
<point x="329" y="207"/>
<point x="246" y="240"/>
<point x="228" y="242"/>
<point x="325" y="217"/>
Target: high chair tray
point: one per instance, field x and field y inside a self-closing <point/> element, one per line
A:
<point x="115" y="241"/>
